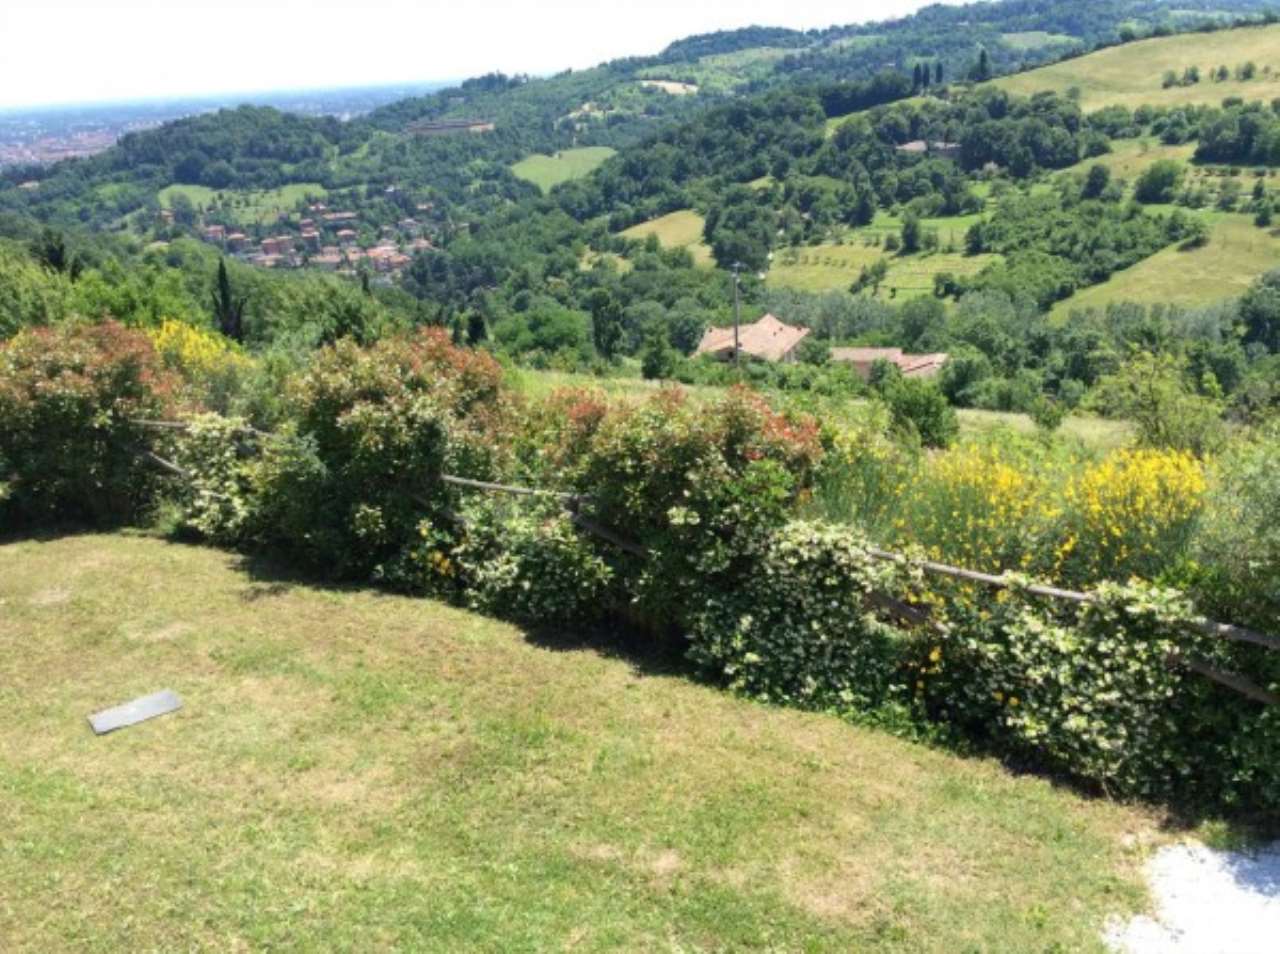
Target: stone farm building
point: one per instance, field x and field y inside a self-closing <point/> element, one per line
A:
<point x="768" y="339"/>
<point x="911" y="365"/>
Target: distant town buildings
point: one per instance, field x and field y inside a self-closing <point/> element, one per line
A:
<point x="330" y="240"/>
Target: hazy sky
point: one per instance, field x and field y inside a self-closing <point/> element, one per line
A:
<point x="84" y="50"/>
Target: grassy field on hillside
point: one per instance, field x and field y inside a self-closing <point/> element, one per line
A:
<point x="1037" y="40"/>
<point x="1129" y="158"/>
<point x="1131" y="74"/>
<point x="248" y="207"/>
<point x="1237" y="253"/>
<point x="832" y="267"/>
<point x="547" y="172"/>
<point x="676" y="230"/>
<point x="358" y="771"/>
<point x="201" y="196"/>
<point x="716" y="73"/>
<point x="1094" y="432"/>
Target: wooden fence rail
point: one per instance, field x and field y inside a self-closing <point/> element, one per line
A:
<point x="909" y="614"/>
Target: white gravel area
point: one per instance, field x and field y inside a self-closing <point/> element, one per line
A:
<point x="1207" y="902"/>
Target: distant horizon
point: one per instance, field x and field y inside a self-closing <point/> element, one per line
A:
<point x="237" y="96"/>
<point x="99" y="53"/>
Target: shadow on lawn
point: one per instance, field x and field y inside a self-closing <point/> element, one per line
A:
<point x="647" y="653"/>
<point x="651" y="653"/>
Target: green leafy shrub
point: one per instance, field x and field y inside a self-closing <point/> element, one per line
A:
<point x="1088" y="693"/>
<point x="29" y="294"/>
<point x="797" y="628"/>
<point x="348" y="482"/>
<point x="527" y="562"/>
<point x="69" y="447"/>
<point x="699" y="485"/>
<point x="1237" y="545"/>
<point x="921" y="409"/>
<point x="216" y="500"/>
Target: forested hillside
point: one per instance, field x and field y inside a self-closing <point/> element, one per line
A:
<point x="868" y="181"/>
<point x="615" y="104"/>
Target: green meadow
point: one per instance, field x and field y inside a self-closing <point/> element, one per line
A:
<point x="547" y="172"/>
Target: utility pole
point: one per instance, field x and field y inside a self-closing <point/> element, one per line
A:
<point x="737" y="313"/>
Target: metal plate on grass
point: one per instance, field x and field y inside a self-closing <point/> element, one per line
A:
<point x="139" y="710"/>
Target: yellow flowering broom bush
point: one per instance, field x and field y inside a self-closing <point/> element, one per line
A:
<point x="1130" y="514"/>
<point x="213" y="368"/>
<point x="981" y="505"/>
<point x="999" y="504"/>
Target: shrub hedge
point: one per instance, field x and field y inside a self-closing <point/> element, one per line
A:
<point x="69" y="396"/>
<point x="775" y="606"/>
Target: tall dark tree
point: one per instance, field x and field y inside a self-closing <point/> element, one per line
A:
<point x="982" y="69"/>
<point x="937" y="73"/>
<point x="912" y="234"/>
<point x="227" y="308"/>
<point x="1096" y="182"/>
<point x="606" y="322"/>
<point x="917" y="79"/>
<point x="50" y="250"/>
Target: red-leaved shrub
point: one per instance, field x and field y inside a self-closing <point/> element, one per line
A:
<point x="69" y="444"/>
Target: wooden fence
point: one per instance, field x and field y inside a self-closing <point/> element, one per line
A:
<point x="907" y="613"/>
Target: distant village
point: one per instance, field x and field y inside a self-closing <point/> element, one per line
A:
<point x="326" y="239"/>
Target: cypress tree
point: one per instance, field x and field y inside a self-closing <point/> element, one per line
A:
<point x="227" y="309"/>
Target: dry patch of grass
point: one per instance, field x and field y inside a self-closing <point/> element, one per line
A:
<point x="670" y="86"/>
<point x="354" y="770"/>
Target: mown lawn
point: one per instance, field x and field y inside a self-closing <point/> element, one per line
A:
<point x="359" y="771"/>
<point x="547" y="172"/>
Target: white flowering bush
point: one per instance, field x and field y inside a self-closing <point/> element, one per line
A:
<point x="525" y="561"/>
<point x="216" y="499"/>
<point x="1093" y="693"/>
<point x="800" y="629"/>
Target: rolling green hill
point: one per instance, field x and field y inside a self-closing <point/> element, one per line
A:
<point x="1132" y="74"/>
<point x="1237" y="253"/>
